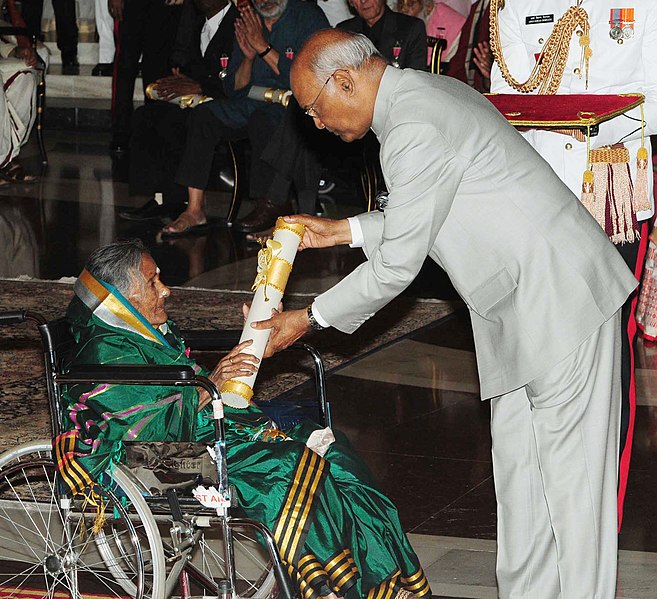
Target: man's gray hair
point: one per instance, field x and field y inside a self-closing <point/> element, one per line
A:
<point x="351" y="53"/>
<point x="118" y="264"/>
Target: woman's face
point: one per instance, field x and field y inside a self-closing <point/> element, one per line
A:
<point x="412" y="8"/>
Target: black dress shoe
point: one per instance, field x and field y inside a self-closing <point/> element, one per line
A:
<point x="151" y="210"/>
<point x="103" y="69"/>
<point x="70" y="66"/>
<point x="262" y="217"/>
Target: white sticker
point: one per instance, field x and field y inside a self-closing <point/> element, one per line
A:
<point x="210" y="497"/>
<point x="211" y="452"/>
<point x="217" y="409"/>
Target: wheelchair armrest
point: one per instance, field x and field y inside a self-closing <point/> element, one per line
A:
<point x="19" y="316"/>
<point x="12" y="317"/>
<point x="132" y="374"/>
<point x="211" y="340"/>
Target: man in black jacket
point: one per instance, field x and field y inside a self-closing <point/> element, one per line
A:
<point x="296" y="151"/>
<point x="402" y="40"/>
<point x="200" y="55"/>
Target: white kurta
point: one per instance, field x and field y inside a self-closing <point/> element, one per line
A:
<point x="17" y="107"/>
<point x="627" y="67"/>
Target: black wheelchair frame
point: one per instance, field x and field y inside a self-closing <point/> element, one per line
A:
<point x="57" y="342"/>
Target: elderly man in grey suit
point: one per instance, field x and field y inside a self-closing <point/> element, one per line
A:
<point x="542" y="282"/>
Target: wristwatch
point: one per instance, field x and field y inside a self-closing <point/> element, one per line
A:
<point x="266" y="51"/>
<point x="314" y="325"/>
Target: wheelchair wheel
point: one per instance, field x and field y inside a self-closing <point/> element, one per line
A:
<point x="255" y="578"/>
<point x="52" y="543"/>
<point x="206" y="567"/>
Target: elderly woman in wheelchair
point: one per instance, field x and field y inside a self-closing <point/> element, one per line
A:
<point x="336" y="534"/>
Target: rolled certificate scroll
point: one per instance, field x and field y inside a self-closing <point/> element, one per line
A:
<point x="186" y="101"/>
<point x="270" y="95"/>
<point x="275" y="261"/>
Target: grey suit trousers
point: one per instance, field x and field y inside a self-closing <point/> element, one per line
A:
<point x="555" y="448"/>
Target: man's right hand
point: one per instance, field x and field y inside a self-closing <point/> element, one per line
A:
<point x="175" y="86"/>
<point x="322" y="232"/>
<point x="115" y="9"/>
<point x="242" y="39"/>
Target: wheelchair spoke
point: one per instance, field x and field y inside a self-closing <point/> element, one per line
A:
<point x="17" y="529"/>
<point x="24" y="576"/>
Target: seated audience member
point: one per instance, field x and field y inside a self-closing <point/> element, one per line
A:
<point x="415" y="8"/>
<point x="295" y="151"/>
<point x="336" y="11"/>
<point x="268" y="34"/>
<point x="205" y="37"/>
<point x="473" y="60"/>
<point x="19" y="78"/>
<point x="401" y="40"/>
<point x="118" y="316"/>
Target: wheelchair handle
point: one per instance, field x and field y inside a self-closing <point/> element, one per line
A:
<point x="20" y="316"/>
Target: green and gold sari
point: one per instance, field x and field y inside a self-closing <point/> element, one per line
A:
<point x="335" y="531"/>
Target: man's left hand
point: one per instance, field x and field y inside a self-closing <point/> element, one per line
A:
<point x="28" y="54"/>
<point x="286" y="328"/>
<point x="252" y="28"/>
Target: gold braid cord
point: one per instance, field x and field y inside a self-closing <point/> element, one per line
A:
<point x="546" y="75"/>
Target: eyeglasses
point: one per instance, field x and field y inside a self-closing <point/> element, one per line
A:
<point x="310" y="111"/>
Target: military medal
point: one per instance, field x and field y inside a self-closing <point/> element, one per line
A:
<point x="223" y="61"/>
<point x="289" y="54"/>
<point x="396" y="51"/>
<point x="621" y="24"/>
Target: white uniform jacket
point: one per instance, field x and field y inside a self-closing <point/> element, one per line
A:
<point x="615" y="68"/>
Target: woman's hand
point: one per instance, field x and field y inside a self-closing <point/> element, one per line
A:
<point x="234" y="364"/>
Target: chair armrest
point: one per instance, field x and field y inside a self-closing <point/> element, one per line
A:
<point x="129" y="374"/>
<point x="211" y="340"/>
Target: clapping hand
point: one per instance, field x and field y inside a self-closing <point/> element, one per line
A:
<point x="249" y="32"/>
<point x="483" y="58"/>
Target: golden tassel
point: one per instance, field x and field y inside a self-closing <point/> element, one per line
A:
<point x="640" y="200"/>
<point x="588" y="187"/>
<point x="100" y="519"/>
<point x="588" y="197"/>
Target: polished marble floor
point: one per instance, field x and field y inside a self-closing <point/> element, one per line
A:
<point x="412" y="409"/>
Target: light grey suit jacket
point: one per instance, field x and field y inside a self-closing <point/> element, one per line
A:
<point x="534" y="268"/>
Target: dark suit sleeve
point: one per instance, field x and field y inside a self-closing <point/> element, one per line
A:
<point x="183" y="51"/>
<point x="416" y="46"/>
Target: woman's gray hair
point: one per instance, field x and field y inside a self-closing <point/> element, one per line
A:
<point x="118" y="264"/>
<point x="352" y="52"/>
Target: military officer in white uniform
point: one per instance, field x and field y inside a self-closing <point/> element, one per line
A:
<point x="623" y="41"/>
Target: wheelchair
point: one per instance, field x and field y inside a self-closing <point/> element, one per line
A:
<point x="132" y="543"/>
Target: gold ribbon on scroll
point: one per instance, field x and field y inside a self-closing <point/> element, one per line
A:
<point x="273" y="271"/>
<point x="296" y="228"/>
<point x="239" y="388"/>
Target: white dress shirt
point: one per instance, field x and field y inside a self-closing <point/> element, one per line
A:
<point x="210" y="28"/>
